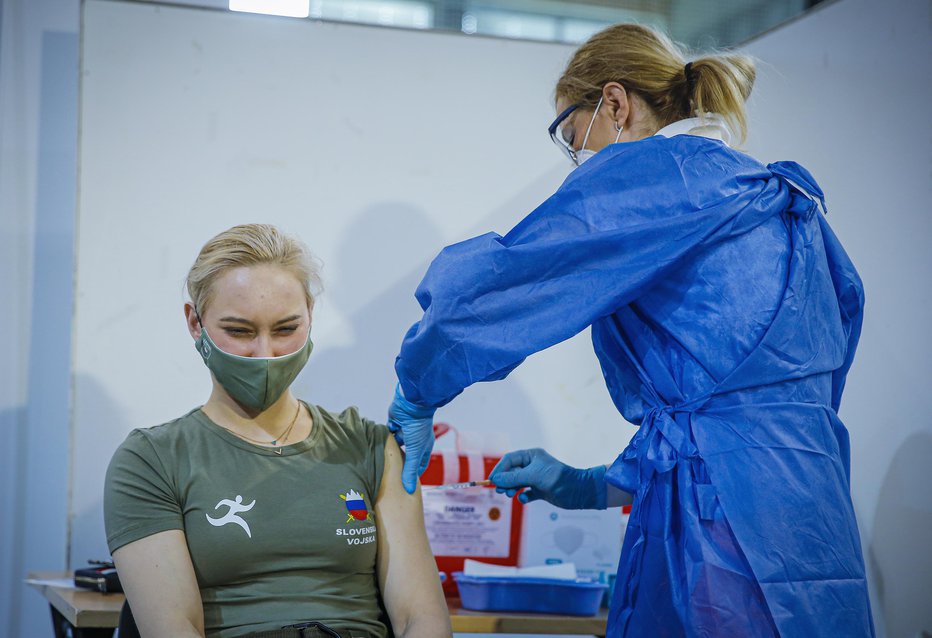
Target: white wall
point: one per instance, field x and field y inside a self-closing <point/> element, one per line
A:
<point x="38" y="156"/>
<point x="846" y="91"/>
<point x="376" y="146"/>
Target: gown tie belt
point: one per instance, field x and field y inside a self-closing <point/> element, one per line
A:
<point x="663" y="441"/>
<point x="663" y="438"/>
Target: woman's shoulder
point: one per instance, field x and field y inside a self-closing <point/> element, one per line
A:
<point x="350" y="423"/>
<point x="153" y="455"/>
<point x="687" y="149"/>
<point x="163" y="436"/>
<point x="676" y="165"/>
<point x="695" y="171"/>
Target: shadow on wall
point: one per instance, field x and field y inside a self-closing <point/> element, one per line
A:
<point x="94" y="407"/>
<point x="363" y="373"/>
<point x="899" y="552"/>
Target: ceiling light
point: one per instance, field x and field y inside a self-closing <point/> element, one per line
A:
<point x="290" y="8"/>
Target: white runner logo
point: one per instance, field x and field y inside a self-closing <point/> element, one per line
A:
<point x="232" y="516"/>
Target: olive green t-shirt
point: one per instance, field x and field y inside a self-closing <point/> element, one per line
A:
<point x="275" y="539"/>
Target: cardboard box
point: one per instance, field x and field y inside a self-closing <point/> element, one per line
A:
<point x="591" y="539"/>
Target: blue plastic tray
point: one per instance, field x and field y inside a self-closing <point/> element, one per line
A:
<point x="580" y="597"/>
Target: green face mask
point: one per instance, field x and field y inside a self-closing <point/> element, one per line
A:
<point x="253" y="382"/>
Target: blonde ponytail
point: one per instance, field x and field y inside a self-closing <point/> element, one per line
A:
<point x="722" y="84"/>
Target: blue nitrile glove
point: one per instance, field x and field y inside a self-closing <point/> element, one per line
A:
<point x="413" y="426"/>
<point x="548" y="479"/>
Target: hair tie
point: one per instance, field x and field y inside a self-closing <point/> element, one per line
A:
<point x="690" y="79"/>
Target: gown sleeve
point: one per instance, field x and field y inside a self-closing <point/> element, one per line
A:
<point x="626" y="218"/>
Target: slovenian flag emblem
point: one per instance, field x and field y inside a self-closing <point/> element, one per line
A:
<point x="355" y="505"/>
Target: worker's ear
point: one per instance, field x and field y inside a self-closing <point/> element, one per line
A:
<point x="191" y="319"/>
<point x="615" y="99"/>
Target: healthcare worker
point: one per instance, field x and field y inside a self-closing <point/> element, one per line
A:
<point x="725" y="315"/>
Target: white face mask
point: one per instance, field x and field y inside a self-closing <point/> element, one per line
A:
<point x="584" y="154"/>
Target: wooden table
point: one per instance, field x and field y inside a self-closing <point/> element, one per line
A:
<point x="86" y="613"/>
<point x="90" y="614"/>
<point x="499" y="622"/>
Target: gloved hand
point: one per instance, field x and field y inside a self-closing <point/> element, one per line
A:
<point x="413" y="426"/>
<point x="548" y="479"/>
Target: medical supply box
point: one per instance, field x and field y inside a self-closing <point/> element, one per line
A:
<point x="580" y="597"/>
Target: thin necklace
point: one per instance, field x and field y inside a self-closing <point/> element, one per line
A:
<point x="274" y="442"/>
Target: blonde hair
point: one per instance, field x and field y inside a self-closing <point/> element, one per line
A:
<point x="251" y="245"/>
<point x="649" y="64"/>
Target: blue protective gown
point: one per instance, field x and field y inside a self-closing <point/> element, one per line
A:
<point x="725" y="315"/>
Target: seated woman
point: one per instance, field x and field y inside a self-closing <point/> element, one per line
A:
<point x="257" y="510"/>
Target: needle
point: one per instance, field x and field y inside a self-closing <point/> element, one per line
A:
<point x="458" y="486"/>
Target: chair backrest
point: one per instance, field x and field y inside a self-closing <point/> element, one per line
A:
<point x="127" y="626"/>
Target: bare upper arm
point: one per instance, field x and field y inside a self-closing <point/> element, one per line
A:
<point x="158" y="577"/>
<point x="408" y="576"/>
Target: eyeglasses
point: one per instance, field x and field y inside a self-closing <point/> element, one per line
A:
<point x="562" y="133"/>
